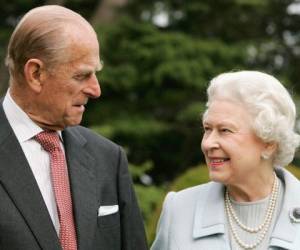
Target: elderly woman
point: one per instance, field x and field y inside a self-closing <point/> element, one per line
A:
<point x="252" y="202"/>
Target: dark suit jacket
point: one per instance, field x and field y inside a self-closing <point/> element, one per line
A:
<point x="98" y="176"/>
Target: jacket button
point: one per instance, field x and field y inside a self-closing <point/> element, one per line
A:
<point x="296" y="213"/>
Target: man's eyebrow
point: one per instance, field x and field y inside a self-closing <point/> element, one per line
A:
<point x="89" y="71"/>
<point x="100" y="66"/>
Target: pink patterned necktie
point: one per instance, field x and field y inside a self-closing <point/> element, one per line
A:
<point x="49" y="140"/>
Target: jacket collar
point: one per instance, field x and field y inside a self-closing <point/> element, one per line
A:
<point x="209" y="214"/>
<point x="209" y="218"/>
<point x="81" y="164"/>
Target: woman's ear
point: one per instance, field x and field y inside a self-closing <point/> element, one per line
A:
<point x="269" y="150"/>
<point x="33" y="71"/>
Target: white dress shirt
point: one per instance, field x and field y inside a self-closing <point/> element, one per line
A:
<point x="39" y="160"/>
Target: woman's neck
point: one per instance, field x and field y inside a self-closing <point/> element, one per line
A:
<point x="252" y="189"/>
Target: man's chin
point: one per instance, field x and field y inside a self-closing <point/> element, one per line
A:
<point x="59" y="125"/>
<point x="73" y="122"/>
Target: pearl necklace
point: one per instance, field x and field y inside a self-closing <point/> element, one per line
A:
<point x="264" y="227"/>
<point x="269" y="209"/>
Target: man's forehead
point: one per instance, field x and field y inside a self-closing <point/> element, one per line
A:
<point x="78" y="53"/>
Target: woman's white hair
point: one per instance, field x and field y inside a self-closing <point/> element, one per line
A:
<point x="268" y="102"/>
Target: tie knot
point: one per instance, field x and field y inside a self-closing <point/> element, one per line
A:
<point x="49" y="140"/>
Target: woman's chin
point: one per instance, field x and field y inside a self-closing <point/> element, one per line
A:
<point x="216" y="177"/>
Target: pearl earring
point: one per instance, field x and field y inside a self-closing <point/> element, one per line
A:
<point x="265" y="156"/>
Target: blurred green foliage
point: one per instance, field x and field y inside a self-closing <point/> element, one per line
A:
<point x="155" y="77"/>
<point x="154" y="90"/>
<point x="148" y="199"/>
<point x="294" y="170"/>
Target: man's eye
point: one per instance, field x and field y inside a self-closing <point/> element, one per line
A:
<point x="81" y="77"/>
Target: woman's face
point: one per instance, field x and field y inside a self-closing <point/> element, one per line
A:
<point x="232" y="151"/>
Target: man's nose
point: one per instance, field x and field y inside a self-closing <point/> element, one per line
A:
<point x="93" y="89"/>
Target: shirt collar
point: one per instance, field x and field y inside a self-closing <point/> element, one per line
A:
<point x="23" y="127"/>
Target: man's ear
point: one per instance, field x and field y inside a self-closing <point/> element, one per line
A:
<point x="33" y="71"/>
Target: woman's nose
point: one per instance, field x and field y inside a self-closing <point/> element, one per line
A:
<point x="210" y="141"/>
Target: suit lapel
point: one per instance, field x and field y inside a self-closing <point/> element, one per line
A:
<point x="17" y="179"/>
<point x="83" y="186"/>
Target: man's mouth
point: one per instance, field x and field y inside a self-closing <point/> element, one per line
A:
<point x="80" y="106"/>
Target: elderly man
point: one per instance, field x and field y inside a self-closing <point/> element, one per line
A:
<point x="61" y="185"/>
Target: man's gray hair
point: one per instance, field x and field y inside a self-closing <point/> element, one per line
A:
<point x="40" y="34"/>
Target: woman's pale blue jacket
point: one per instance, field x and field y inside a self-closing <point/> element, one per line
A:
<point x="194" y="219"/>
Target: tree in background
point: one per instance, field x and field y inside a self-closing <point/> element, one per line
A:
<point x="153" y="86"/>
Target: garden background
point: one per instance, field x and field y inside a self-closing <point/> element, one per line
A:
<point x="159" y="57"/>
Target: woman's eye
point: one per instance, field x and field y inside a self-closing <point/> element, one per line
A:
<point x="225" y="130"/>
<point x="206" y="129"/>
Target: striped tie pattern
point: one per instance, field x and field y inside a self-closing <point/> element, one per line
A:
<point x="50" y="142"/>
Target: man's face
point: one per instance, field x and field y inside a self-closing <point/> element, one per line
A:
<point x="68" y="86"/>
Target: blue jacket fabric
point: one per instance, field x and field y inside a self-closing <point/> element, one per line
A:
<point x="194" y="218"/>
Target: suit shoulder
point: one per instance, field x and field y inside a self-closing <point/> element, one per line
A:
<point x="93" y="138"/>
